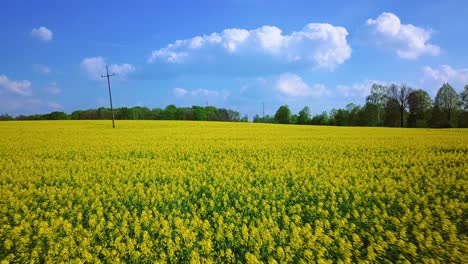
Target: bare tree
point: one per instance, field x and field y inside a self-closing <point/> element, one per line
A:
<point x="400" y="95"/>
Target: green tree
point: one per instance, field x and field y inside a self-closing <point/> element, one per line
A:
<point x="265" y="119"/>
<point x="283" y="115"/>
<point x="5" y="117"/>
<point x="464" y="98"/>
<point x="353" y="114"/>
<point x="294" y="118"/>
<point x="124" y="113"/>
<point x="233" y="115"/>
<point x="339" y="117"/>
<point x="223" y="114"/>
<point x="304" y="116"/>
<point x="448" y="102"/>
<point x="185" y="113"/>
<point x="200" y="113"/>
<point x="157" y="113"/>
<point x="56" y="116"/>
<point x="463" y="117"/>
<point x="321" y="119"/>
<point x="420" y="105"/>
<point x="75" y="115"/>
<point x="90" y="114"/>
<point x="378" y="97"/>
<point x="212" y="113"/>
<point x="369" y="115"/>
<point x="170" y="112"/>
<point x="392" y="114"/>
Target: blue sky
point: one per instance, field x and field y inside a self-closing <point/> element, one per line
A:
<point x="233" y="53"/>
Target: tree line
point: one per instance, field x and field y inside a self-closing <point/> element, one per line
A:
<point x="390" y="106"/>
<point x="171" y="112"/>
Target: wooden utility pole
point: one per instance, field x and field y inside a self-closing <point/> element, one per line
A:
<point x="110" y="94"/>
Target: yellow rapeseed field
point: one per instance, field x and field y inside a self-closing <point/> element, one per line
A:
<point x="207" y="192"/>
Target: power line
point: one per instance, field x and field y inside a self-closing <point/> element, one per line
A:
<point x="110" y="94"/>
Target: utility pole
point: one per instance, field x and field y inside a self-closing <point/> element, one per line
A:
<point x="263" y="105"/>
<point x="110" y="94"/>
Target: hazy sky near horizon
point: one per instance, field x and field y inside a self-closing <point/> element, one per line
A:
<point x="233" y="54"/>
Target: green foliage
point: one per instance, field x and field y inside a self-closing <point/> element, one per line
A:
<point x="5" y="117"/>
<point x="378" y="97"/>
<point x="57" y="116"/>
<point x="75" y="115"/>
<point x="420" y="104"/>
<point x="340" y="117"/>
<point x="392" y="114"/>
<point x="447" y="101"/>
<point x="265" y="119"/>
<point x="171" y="112"/>
<point x="321" y="119"/>
<point x="283" y="115"/>
<point x="369" y="115"/>
<point x="464" y="98"/>
<point x="463" y="119"/>
<point x="304" y="116"/>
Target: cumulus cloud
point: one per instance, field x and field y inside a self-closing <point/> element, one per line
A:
<point x="315" y="46"/>
<point x="42" y="33"/>
<point x="292" y="85"/>
<point x="358" y="89"/>
<point x="445" y="73"/>
<point x="180" y="92"/>
<point x="17" y="87"/>
<point x="96" y="66"/>
<point x="407" y="40"/>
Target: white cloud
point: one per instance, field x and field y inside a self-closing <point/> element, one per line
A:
<point x="445" y="73"/>
<point x="17" y="87"/>
<point x="52" y="88"/>
<point x="359" y="89"/>
<point x="42" y="33"/>
<point x="41" y="68"/>
<point x="121" y="69"/>
<point x="54" y="105"/>
<point x="16" y="105"/>
<point x="292" y="85"/>
<point x="315" y="46"/>
<point x="409" y="41"/>
<point x="96" y="66"/>
<point x="206" y="93"/>
<point x="180" y="91"/>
